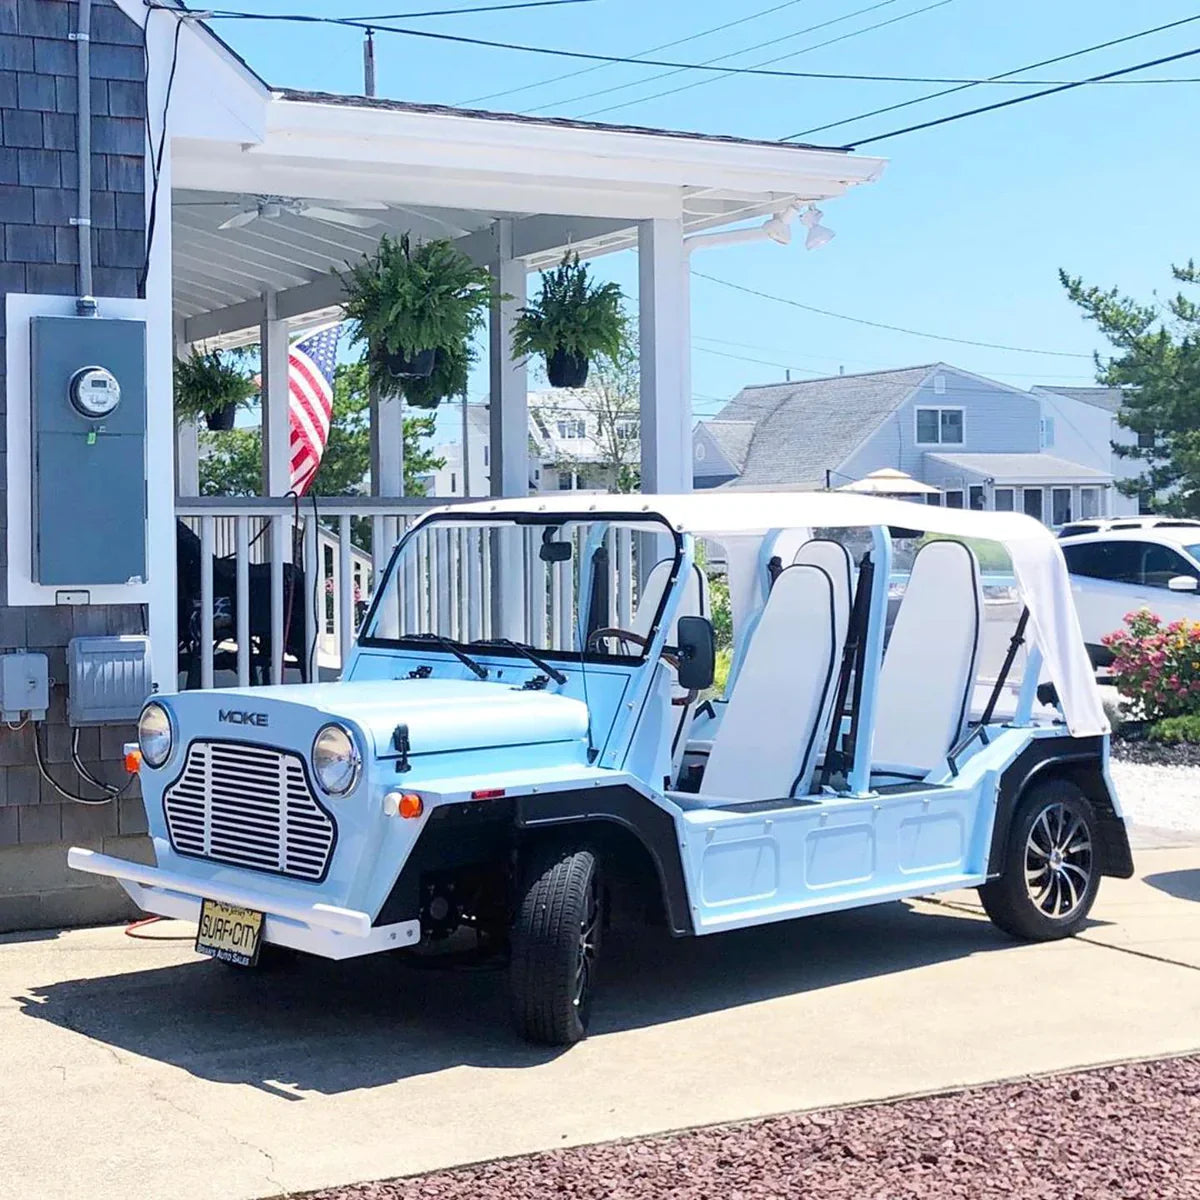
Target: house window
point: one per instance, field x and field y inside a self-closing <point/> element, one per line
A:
<point x="487" y="456"/>
<point x="934" y="498"/>
<point x="1145" y="441"/>
<point x="1060" y="506"/>
<point x="1047" y="432"/>
<point x="627" y="428"/>
<point x="565" y="481"/>
<point x="940" y="426"/>
<point x="1003" y="499"/>
<point x="954" y="498"/>
<point x="572" y="428"/>
<point x="1031" y="499"/>
<point x="1089" y="503"/>
<point x="939" y="385"/>
<point x="977" y="499"/>
<point x="453" y="483"/>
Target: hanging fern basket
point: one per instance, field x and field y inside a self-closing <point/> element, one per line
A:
<point x="566" y="370"/>
<point x="418" y="365"/>
<point x="220" y="420"/>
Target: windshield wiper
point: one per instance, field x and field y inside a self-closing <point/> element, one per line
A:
<point x="522" y="648"/>
<point x="454" y="648"/>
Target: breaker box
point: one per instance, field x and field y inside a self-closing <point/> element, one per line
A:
<point x="88" y="437"/>
<point x="108" y="679"/>
<point x="24" y="686"/>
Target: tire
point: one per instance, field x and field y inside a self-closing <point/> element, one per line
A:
<point x="555" y="941"/>
<point x="1051" y="865"/>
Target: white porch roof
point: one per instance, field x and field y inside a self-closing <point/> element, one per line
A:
<point x="439" y="171"/>
<point x="1031" y="469"/>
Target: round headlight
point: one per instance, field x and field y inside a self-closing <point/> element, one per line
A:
<point x="155" y="736"/>
<point x="335" y="759"/>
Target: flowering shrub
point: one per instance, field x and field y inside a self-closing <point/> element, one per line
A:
<point x="1157" y="667"/>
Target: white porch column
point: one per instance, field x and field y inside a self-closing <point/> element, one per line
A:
<point x="666" y="408"/>
<point x="387" y="444"/>
<point x="276" y="453"/>
<point x="508" y="404"/>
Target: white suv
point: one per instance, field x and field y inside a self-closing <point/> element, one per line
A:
<point x="1122" y="570"/>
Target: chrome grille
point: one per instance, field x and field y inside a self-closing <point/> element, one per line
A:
<point x="250" y="806"/>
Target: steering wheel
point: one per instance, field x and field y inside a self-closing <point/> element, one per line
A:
<point x="626" y="636"/>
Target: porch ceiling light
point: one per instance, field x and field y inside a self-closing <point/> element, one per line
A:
<point x="818" y="234"/>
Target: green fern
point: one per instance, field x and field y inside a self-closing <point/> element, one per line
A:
<point x="572" y="313"/>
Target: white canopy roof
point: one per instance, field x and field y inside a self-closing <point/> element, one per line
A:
<point x="1038" y="564"/>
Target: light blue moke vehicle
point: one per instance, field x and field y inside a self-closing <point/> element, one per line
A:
<point x="521" y="744"/>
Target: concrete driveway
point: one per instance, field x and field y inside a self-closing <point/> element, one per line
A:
<point x="136" y="1068"/>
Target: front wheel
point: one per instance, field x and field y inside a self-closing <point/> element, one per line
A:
<point x="1051" y="867"/>
<point x="555" y="941"/>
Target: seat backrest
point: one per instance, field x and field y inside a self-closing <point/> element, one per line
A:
<point x="693" y="603"/>
<point x="929" y="668"/>
<point x="768" y="739"/>
<point x="835" y="560"/>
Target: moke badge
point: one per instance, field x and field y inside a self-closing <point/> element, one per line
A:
<point x="237" y="716"/>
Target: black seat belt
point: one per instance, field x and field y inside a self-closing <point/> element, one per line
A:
<point x="853" y="661"/>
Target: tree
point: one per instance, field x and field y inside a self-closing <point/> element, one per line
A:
<point x="611" y="406"/>
<point x="232" y="462"/>
<point x="1157" y="368"/>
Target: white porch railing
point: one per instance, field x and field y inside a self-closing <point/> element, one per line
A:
<point x="242" y="611"/>
<point x="269" y="589"/>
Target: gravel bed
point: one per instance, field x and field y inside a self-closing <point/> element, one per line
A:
<point x="1128" y="1133"/>
<point x="1159" y="797"/>
<point x="1165" y="754"/>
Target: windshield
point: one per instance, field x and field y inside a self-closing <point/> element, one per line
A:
<point x="1194" y="551"/>
<point x="554" y="586"/>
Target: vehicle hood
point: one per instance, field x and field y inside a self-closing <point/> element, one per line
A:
<point x="441" y="714"/>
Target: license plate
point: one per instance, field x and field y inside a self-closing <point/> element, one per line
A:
<point x="229" y="933"/>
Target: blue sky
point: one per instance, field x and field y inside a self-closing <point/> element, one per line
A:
<point x="964" y="233"/>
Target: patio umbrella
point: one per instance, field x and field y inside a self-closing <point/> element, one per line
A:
<point x="889" y="482"/>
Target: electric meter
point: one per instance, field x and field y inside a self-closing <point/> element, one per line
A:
<point x="95" y="392"/>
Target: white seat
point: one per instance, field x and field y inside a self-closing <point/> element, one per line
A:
<point x="835" y="560"/>
<point x="694" y="603"/>
<point x="768" y="739"/>
<point x="929" y="669"/>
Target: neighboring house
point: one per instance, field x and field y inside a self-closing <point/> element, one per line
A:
<point x="978" y="441"/>
<point x="568" y="450"/>
<point x="1080" y="423"/>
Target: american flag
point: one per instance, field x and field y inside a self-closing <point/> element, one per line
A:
<point x="311" y="363"/>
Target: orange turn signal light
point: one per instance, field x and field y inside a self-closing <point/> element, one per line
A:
<point x="411" y="806"/>
<point x="133" y="761"/>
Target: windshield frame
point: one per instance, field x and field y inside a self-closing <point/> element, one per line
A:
<point x="520" y="520"/>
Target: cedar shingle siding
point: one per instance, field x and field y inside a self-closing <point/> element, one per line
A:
<point x="38" y="253"/>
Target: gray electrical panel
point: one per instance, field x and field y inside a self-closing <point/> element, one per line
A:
<point x="108" y="679"/>
<point x="88" y="434"/>
<point x="24" y="686"/>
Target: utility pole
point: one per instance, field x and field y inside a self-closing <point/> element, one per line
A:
<point x="466" y="449"/>
<point x="369" y="63"/>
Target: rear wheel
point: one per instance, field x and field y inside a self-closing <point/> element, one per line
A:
<point x="555" y="941"/>
<point x="1051" y="868"/>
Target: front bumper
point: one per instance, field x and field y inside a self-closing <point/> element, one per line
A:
<point x="322" y="929"/>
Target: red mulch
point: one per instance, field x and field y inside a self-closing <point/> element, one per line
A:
<point x="1122" y="1133"/>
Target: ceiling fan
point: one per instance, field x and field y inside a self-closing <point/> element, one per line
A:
<point x="270" y="208"/>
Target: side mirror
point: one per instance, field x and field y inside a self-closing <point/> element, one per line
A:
<point x="697" y="653"/>
<point x="1183" y="583"/>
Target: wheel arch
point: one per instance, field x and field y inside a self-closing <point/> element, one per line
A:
<point x="634" y="834"/>
<point x="1081" y="762"/>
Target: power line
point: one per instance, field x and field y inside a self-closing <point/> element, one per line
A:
<point x="1045" y="62"/>
<point x="709" y="61"/>
<point x="692" y="37"/>
<point x="461" y="40"/>
<point x="782" y="57"/>
<point x="367" y="21"/>
<point x="937" y="337"/>
<point x="1157" y="62"/>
